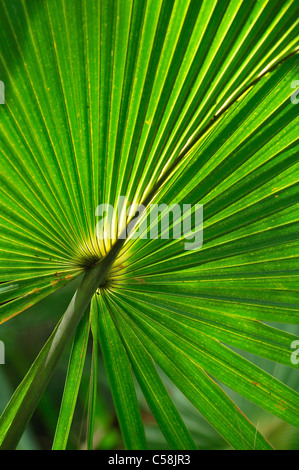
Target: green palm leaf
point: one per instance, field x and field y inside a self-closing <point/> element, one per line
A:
<point x="174" y="102"/>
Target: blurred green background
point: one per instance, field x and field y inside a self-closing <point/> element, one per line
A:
<point x="24" y="336"/>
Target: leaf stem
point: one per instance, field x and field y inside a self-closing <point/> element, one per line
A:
<point x="26" y="397"/>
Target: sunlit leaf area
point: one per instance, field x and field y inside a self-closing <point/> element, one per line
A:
<point x="149" y="215"/>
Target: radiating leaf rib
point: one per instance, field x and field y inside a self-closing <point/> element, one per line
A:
<point x="24" y="295"/>
<point x="93" y="386"/>
<point x="121" y="381"/>
<point x="72" y="384"/>
<point x="154" y="390"/>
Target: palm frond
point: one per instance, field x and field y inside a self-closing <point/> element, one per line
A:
<point x="173" y="102"/>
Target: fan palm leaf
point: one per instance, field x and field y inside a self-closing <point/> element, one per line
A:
<point x="162" y="102"/>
